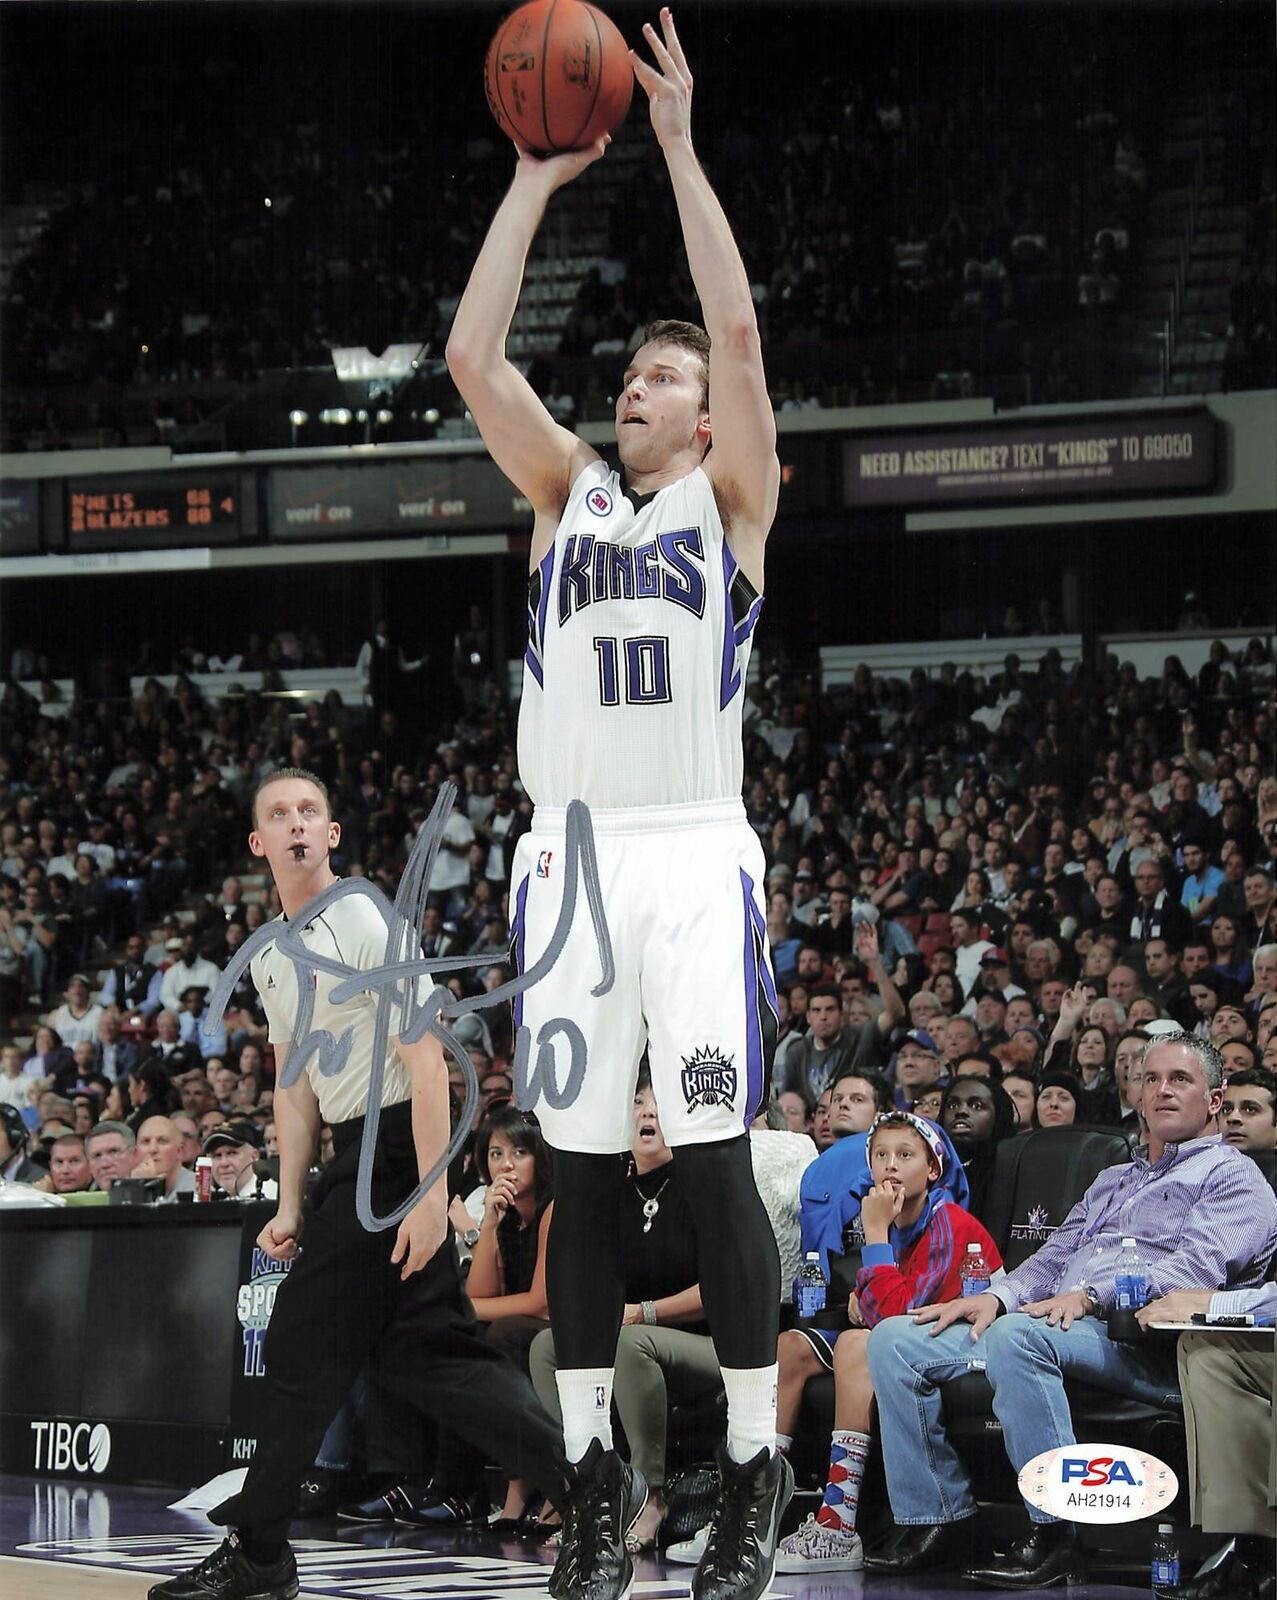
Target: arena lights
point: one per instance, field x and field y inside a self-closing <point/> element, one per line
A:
<point x="368" y="419"/>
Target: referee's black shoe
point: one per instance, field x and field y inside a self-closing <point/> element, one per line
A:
<point x="740" y="1552"/>
<point x="228" y="1574"/>
<point x="393" y="1502"/>
<point x="606" y="1499"/>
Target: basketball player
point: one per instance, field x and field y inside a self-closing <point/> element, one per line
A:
<point x="644" y="591"/>
<point x="350" y="1293"/>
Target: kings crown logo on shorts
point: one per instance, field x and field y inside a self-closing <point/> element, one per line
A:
<point x="709" y="1079"/>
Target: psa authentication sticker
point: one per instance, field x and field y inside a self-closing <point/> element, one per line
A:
<point x="1098" y="1483"/>
<point x="599" y="502"/>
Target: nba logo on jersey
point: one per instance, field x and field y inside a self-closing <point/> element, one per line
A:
<point x="709" y="1079"/>
<point x="543" y="863"/>
<point x="599" y="502"/>
<point x="600" y="1397"/>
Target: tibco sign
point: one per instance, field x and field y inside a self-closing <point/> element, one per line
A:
<point x="71" y="1446"/>
<point x="1098" y="1483"/>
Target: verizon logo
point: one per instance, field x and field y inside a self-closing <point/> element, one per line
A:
<point x="431" y="507"/>
<point x="300" y="515"/>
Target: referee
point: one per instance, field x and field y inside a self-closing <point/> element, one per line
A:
<point x="352" y="1294"/>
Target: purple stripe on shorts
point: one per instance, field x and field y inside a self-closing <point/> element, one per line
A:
<point x="520" y="931"/>
<point x="753" y="1022"/>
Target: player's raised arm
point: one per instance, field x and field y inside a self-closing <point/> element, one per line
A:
<point x="742" y="460"/>
<point x="538" y="456"/>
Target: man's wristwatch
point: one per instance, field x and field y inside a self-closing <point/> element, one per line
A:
<point x="470" y="1238"/>
<point x="1095" y="1306"/>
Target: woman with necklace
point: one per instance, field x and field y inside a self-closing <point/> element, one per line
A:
<point x="664" y="1352"/>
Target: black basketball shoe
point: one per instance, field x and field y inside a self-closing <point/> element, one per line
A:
<point x="607" y="1496"/>
<point x="740" y="1553"/>
<point x="228" y="1574"/>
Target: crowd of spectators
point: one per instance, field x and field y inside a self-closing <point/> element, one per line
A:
<point x="985" y="898"/>
<point x="1003" y="843"/>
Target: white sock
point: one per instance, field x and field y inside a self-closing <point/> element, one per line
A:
<point x="784" y="1443"/>
<point x="751" y="1411"/>
<point x="585" y="1397"/>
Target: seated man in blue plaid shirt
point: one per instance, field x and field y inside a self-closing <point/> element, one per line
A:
<point x="1201" y="1213"/>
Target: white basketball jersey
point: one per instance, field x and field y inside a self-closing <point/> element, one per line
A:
<point x="639" y="632"/>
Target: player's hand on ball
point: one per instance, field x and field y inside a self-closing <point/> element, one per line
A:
<point x="278" y="1239"/>
<point x="669" y="90"/>
<point x="552" y="172"/>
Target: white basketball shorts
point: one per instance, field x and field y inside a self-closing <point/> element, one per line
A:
<point x="682" y="890"/>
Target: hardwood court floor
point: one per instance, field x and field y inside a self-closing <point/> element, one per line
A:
<point x="74" y="1540"/>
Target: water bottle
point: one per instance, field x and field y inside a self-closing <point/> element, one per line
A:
<point x="974" y="1272"/>
<point x="1131" y="1283"/>
<point x="1165" y="1559"/>
<point x="810" y="1286"/>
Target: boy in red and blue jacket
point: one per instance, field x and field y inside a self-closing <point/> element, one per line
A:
<point x="916" y="1239"/>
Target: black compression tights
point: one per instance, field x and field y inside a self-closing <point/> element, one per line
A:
<point x="739" y="1271"/>
<point x="583" y="1265"/>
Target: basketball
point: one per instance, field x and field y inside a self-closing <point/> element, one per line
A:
<point x="558" y="75"/>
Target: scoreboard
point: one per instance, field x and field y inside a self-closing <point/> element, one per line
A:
<point x="152" y="510"/>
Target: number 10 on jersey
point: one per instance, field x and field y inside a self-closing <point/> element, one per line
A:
<point x="634" y="670"/>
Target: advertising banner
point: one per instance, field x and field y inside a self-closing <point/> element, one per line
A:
<point x="433" y="494"/>
<point x="1126" y="453"/>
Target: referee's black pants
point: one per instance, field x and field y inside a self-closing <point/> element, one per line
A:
<point x="343" y="1303"/>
